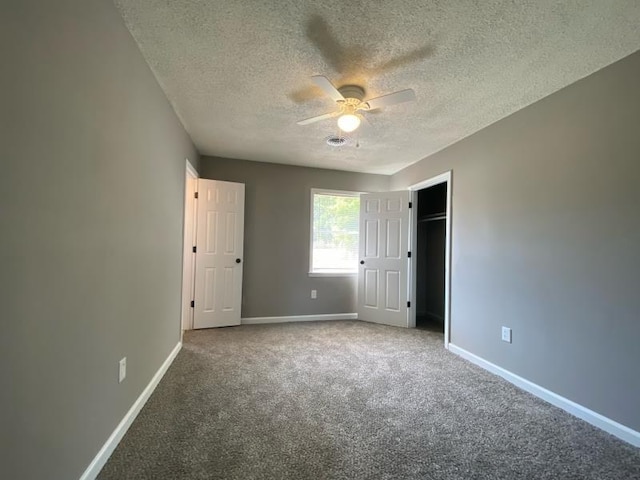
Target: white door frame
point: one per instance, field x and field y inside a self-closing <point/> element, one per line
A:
<point x="188" y="257"/>
<point x="445" y="177"/>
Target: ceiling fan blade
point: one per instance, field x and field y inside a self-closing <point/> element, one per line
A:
<point x="328" y="88"/>
<point x="317" y="118"/>
<point x="402" y="96"/>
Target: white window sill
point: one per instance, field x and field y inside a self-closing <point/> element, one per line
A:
<point x="333" y="274"/>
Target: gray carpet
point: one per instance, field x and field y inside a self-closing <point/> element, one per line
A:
<point x="351" y="400"/>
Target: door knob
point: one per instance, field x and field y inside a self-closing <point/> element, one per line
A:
<point x="238" y="260"/>
<point x="361" y="262"/>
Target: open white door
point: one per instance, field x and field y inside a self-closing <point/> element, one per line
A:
<point x="384" y="241"/>
<point x="219" y="242"/>
<point x="188" y="257"/>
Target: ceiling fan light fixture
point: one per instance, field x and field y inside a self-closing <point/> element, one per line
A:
<point x="348" y="122"/>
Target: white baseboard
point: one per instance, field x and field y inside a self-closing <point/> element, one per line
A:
<point x="611" y="426"/>
<point x="299" y="318"/>
<point x="107" y="449"/>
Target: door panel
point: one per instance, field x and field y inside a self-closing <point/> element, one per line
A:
<point x="220" y="234"/>
<point x="393" y="291"/>
<point x="371" y="238"/>
<point x="209" y="289"/>
<point x="229" y="290"/>
<point x="230" y="245"/>
<point x="384" y="242"/>
<point x="372" y="205"/>
<point x="394" y="204"/>
<point x="371" y="288"/>
<point x="394" y="238"/>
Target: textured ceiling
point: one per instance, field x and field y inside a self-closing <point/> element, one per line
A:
<point x="237" y="71"/>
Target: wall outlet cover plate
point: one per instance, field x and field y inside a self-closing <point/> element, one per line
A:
<point x="506" y="334"/>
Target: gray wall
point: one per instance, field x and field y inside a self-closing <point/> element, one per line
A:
<point x="276" y="278"/>
<point x="91" y="195"/>
<point x="546" y="232"/>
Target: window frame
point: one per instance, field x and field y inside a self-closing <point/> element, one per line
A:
<point x="327" y="191"/>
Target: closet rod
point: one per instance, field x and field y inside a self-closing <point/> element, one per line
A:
<point x="441" y="217"/>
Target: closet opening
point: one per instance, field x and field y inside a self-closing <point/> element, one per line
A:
<point x="430" y="261"/>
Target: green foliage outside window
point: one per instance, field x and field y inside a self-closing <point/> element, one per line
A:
<point x="335" y="229"/>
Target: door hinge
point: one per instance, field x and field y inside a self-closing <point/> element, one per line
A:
<point x="195" y="249"/>
<point x="408" y="304"/>
<point x="195" y="195"/>
<point x="408" y="254"/>
<point x="410" y="205"/>
<point x="193" y="304"/>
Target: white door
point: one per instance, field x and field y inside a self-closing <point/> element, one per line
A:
<point x="384" y="241"/>
<point x="219" y="238"/>
<point x="188" y="257"/>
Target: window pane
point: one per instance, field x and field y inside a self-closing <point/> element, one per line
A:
<point x="335" y="232"/>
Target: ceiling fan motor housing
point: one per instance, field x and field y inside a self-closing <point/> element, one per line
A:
<point x="352" y="91"/>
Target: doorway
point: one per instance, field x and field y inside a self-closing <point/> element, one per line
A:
<point x="431" y="246"/>
<point x="430" y="253"/>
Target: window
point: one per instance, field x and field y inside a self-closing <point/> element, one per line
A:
<point x="334" y="232"/>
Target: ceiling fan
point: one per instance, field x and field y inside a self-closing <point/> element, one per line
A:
<point x="351" y="103"/>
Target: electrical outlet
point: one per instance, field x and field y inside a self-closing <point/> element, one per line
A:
<point x="314" y="294"/>
<point x="122" y="371"/>
<point x="506" y="334"/>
